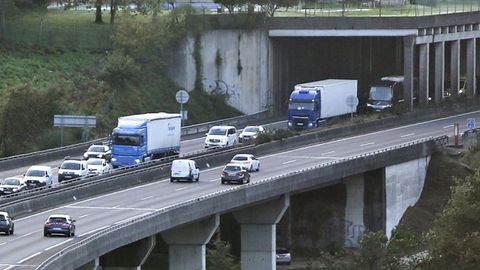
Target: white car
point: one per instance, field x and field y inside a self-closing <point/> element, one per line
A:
<point x="249" y="161"/>
<point x="221" y="136"/>
<point x="38" y="176"/>
<point x="98" y="166"/>
<point x="184" y="169"/>
<point x="250" y="133"/>
<point x="71" y="169"/>
<point x="98" y="151"/>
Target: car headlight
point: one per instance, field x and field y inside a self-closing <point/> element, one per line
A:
<point x="289" y="123"/>
<point x="137" y="160"/>
<point x="310" y="124"/>
<point x="15" y="190"/>
<point x="114" y="159"/>
<point x="1" y="189"/>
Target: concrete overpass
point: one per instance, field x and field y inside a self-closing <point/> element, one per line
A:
<point x="237" y="54"/>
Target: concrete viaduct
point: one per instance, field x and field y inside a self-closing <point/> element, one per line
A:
<point x="380" y="187"/>
<point x="255" y="71"/>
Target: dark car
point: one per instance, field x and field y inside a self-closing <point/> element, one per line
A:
<point x="59" y="224"/>
<point x="283" y="256"/>
<point x="6" y="223"/>
<point x="235" y="173"/>
<point x="12" y="185"/>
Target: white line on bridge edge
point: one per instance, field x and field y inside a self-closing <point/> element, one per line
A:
<point x="10" y="267"/>
<point x="59" y="244"/>
<point x="178" y="189"/>
<point x="328" y="153"/>
<point x="92" y="231"/>
<point x="407" y="135"/>
<point x="365" y="144"/>
<point x="29" y="257"/>
<point x="146" y="198"/>
<point x="291" y="161"/>
<point x="82" y="216"/>
<point x="449" y="126"/>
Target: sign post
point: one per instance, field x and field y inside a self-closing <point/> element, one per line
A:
<point x="78" y="121"/>
<point x="471" y="123"/>
<point x="456" y="133"/>
<point x="182" y="97"/>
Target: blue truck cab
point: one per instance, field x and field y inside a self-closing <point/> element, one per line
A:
<point x="128" y="144"/>
<point x="303" y="109"/>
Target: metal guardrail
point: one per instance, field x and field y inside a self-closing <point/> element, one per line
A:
<point x="440" y="141"/>
<point x="60" y="152"/>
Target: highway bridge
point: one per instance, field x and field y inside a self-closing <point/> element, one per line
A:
<point x="186" y="214"/>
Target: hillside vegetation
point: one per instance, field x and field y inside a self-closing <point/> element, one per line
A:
<point x="37" y="82"/>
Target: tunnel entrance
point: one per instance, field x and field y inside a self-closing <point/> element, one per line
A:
<point x="303" y="59"/>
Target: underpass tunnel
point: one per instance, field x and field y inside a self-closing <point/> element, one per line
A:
<point x="305" y="59"/>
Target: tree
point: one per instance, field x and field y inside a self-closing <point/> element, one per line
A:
<point x="454" y="240"/>
<point x="271" y="6"/>
<point x="219" y="256"/>
<point x="6" y="6"/>
<point x="231" y="4"/>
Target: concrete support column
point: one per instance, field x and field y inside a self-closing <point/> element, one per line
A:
<point x="408" y="69"/>
<point x="403" y="186"/>
<point x="131" y="256"/>
<point x="186" y="243"/>
<point x="454" y="67"/>
<point x="439" y="71"/>
<point x="424" y="73"/>
<point x="471" y="65"/>
<point x="258" y="228"/>
<point x="354" y="210"/>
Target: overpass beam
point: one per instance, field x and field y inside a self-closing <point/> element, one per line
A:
<point x="258" y="229"/>
<point x="186" y="243"/>
<point x="424" y="73"/>
<point x="454" y="67"/>
<point x="408" y="69"/>
<point x="439" y="71"/>
<point x="471" y="65"/>
<point x="131" y="256"/>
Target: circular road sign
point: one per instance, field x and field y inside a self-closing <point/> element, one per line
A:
<point x="182" y="96"/>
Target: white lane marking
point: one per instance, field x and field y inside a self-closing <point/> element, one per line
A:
<point x="182" y="188"/>
<point x="366" y="144"/>
<point x="306" y="157"/>
<point x="1" y="244"/>
<point x="291" y="161"/>
<point x="82" y="216"/>
<point x="29" y="257"/>
<point x="10" y="267"/>
<point x="116" y="206"/>
<point x="449" y="126"/>
<point x="146" y="198"/>
<point x="328" y="153"/>
<point x="111" y="208"/>
<point x="92" y="231"/>
<point x="407" y="135"/>
<point x="59" y="244"/>
<point x="213" y="180"/>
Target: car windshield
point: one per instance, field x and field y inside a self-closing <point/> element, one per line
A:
<point x="217" y="131"/>
<point x="232" y="168"/>
<point x="300" y="105"/>
<point x="95" y="162"/>
<point x="37" y="173"/>
<point x="240" y="158"/>
<point x="132" y="140"/>
<point x="70" y="166"/>
<point x="12" y="182"/>
<point x="96" y="148"/>
<point x="381" y="93"/>
<point x="2" y="218"/>
<point x="251" y="129"/>
<point x="57" y="219"/>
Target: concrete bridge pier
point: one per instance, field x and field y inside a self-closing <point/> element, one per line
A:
<point x="186" y="243"/>
<point x="129" y="257"/>
<point x="258" y="229"/>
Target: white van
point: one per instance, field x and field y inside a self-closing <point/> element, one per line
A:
<point x="184" y="169"/>
<point x="38" y="176"/>
<point x="221" y="136"/>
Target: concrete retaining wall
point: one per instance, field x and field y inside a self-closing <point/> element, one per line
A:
<point x="224" y="201"/>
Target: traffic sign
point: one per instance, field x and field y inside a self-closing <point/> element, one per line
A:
<point x="470" y="123"/>
<point x="182" y="96"/>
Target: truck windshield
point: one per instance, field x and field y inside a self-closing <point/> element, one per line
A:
<point x="381" y="93"/>
<point x="301" y="105"/>
<point x="133" y="140"/>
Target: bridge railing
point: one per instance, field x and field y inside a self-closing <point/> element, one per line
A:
<point x="50" y="263"/>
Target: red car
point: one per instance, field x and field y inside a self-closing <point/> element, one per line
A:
<point x="59" y="224"/>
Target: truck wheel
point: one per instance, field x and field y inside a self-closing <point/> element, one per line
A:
<point x="171" y="180"/>
<point x="198" y="177"/>
<point x="223" y="182"/>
